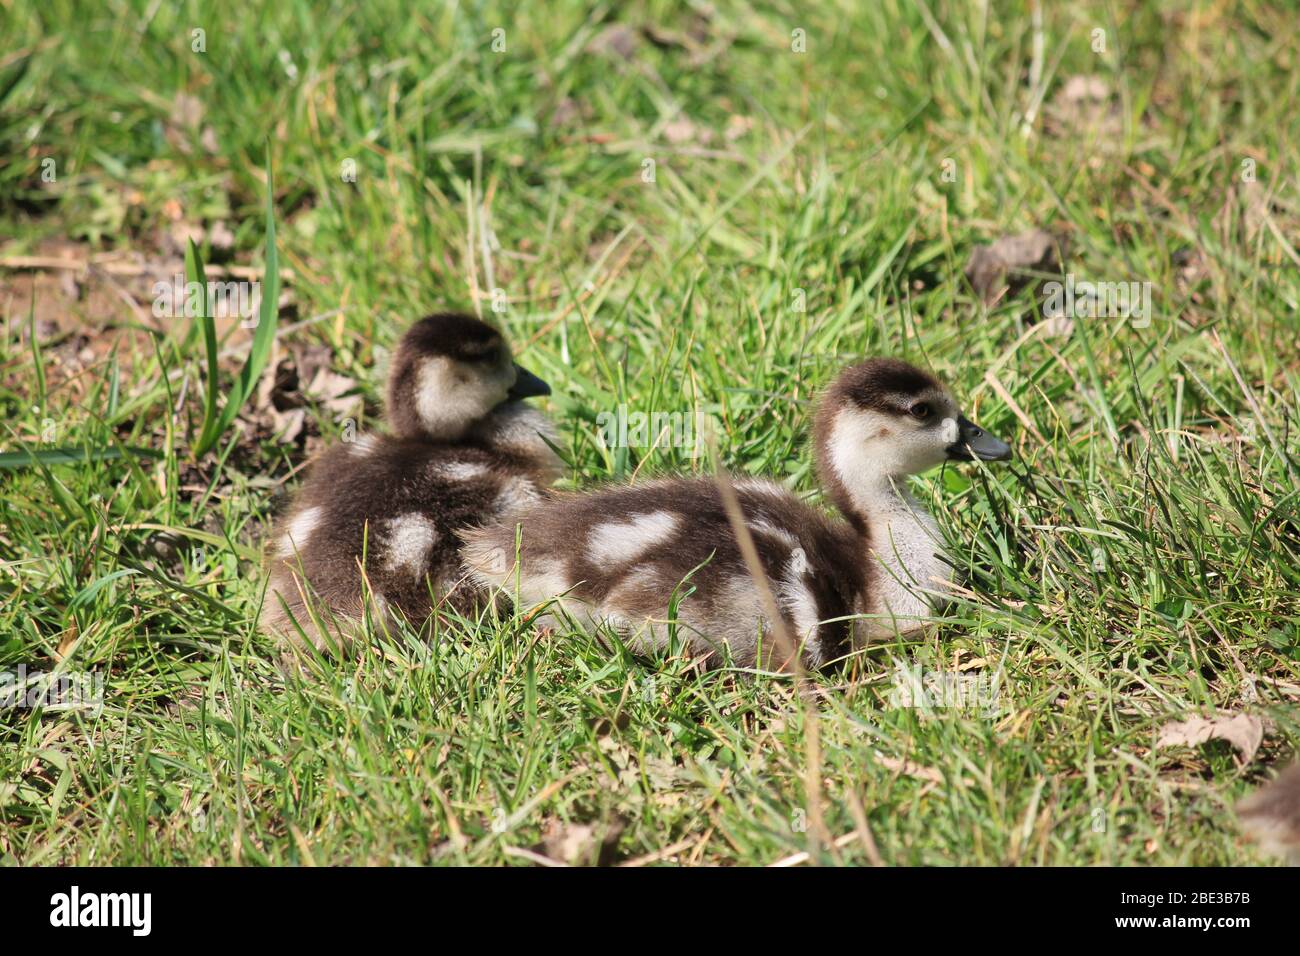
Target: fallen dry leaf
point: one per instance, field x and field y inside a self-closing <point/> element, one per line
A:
<point x="173" y="239"/>
<point x="1191" y="268"/>
<point x="187" y="111"/>
<point x="1078" y="89"/>
<point x="702" y="41"/>
<point x="681" y="130"/>
<point x="66" y="641"/>
<point x="580" y="844"/>
<point x="1086" y="108"/>
<point x="737" y="126"/>
<point x="1012" y="262"/>
<point x="297" y="374"/>
<point x="288" y="424"/>
<point x="568" y="112"/>
<point x="616" y="41"/>
<point x="220" y="236"/>
<point x="909" y="769"/>
<point x="185" y="121"/>
<point x="1244" y="731"/>
<point x="330" y="390"/>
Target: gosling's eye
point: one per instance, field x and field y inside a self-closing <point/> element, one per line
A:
<point x="920" y="411"/>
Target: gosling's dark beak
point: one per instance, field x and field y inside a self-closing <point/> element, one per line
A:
<point x="974" y="442"/>
<point x="527" y="384"/>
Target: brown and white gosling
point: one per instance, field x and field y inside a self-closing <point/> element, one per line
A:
<point x="617" y="556"/>
<point x="463" y="450"/>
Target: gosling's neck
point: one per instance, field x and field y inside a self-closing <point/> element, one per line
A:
<point x="863" y="480"/>
<point x="880" y="506"/>
<point x="901" y="541"/>
<point x="518" y="429"/>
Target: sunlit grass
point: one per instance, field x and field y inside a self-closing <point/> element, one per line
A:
<point x="1137" y="562"/>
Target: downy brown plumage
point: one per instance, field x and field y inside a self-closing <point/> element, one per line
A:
<point x="616" y="556"/>
<point x="1271" y="816"/>
<point x="464" y="450"/>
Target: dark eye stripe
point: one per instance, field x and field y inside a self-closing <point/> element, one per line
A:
<point x="489" y="355"/>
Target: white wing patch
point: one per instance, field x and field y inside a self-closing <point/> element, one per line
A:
<point x="298" y="533"/>
<point x="485" y="556"/>
<point x="760" y="486"/>
<point x="766" y="527"/>
<point x="616" y="542"/>
<point x="462" y="470"/>
<point x="515" y="495"/>
<point x="409" y="538"/>
<point x="364" y="446"/>
<point x="800" y="604"/>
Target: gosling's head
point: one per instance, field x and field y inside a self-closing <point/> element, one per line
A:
<point x="886" y="419"/>
<point x="449" y="372"/>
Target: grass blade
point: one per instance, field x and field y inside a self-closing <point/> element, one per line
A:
<point x="69" y="456"/>
<point x="263" y="337"/>
<point x="195" y="272"/>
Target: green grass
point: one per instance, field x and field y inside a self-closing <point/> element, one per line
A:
<point x="1139" y="562"/>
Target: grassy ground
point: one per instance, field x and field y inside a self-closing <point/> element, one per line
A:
<point x="1138" y="563"/>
